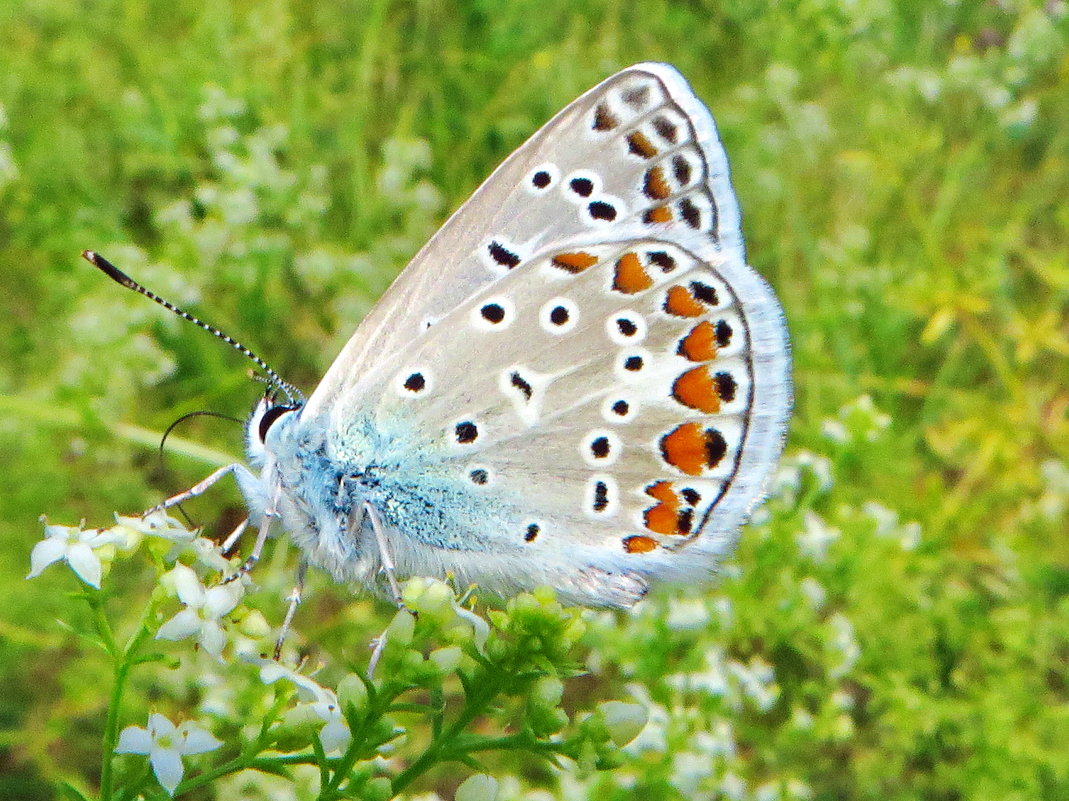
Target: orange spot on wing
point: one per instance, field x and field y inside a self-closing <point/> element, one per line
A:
<point x="680" y="302"/>
<point x="684" y="447"/>
<point x="673" y="516"/>
<point x="658" y="214"/>
<point x="700" y="344"/>
<point x="604" y="119"/>
<point x="639" y="544"/>
<point x="639" y="144"/>
<point x="630" y="275"/>
<point x="656" y="187"/>
<point x="663" y="517"/>
<point x="660" y="519"/>
<point x="662" y="491"/>
<point x="574" y="262"/>
<point x="697" y="389"/>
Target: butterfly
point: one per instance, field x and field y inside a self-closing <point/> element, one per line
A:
<point x="578" y="382"/>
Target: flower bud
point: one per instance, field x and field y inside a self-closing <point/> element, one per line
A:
<point x="254" y="624"/>
<point x="447" y="660"/>
<point x="377" y="789"/>
<point x="436" y="597"/>
<point x="623" y="720"/>
<point x="401" y="628"/>
<point x="352" y="692"/>
<point x="297" y="727"/>
<point x="412" y="591"/>
<point x="547" y="691"/>
<point x="478" y="787"/>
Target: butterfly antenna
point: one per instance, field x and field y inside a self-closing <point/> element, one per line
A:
<point x="114" y="273"/>
<point x="189" y="416"/>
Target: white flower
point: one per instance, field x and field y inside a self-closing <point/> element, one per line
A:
<point x="162" y="526"/>
<point x="769" y="791"/>
<point x="713" y="680"/>
<point x="165" y="744"/>
<point x="335" y="734"/>
<point x="158" y="524"/>
<point x="816" y="536"/>
<point x="834" y="430"/>
<point x="204" y="608"/>
<point x="689" y="769"/>
<point x="718" y="741"/>
<point x="732" y="786"/>
<point x="687" y="614"/>
<point x="431" y="596"/>
<point x="76" y="547"/>
<point x="725" y="610"/>
<point x="842" y="639"/>
<point x="813" y="591"/>
<point x="654" y="737"/>
<point x="757" y="681"/>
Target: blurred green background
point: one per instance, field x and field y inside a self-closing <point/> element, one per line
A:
<point x="903" y="171"/>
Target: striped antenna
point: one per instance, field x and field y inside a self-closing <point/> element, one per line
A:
<point x="291" y="392"/>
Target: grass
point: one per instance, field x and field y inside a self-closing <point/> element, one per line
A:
<point x="902" y="172"/>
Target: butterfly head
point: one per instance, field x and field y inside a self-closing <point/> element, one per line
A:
<point x="268" y="419"/>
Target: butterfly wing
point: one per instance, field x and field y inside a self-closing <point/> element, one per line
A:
<point x="638" y="145"/>
<point x="578" y="381"/>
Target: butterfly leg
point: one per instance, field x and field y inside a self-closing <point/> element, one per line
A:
<point x="269" y="514"/>
<point x="294" y="601"/>
<point x="240" y="472"/>
<point x="388" y="566"/>
<point x="390" y="570"/>
<point x="235" y="535"/>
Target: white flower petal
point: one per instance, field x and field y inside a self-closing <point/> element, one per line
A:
<point x="185" y="624"/>
<point x="208" y="554"/>
<point x="480" y="628"/>
<point x="45" y="553"/>
<point x="167" y="765"/>
<point x="195" y="740"/>
<point x="159" y="726"/>
<point x="327" y="709"/>
<point x="212" y="638"/>
<point x="97" y="537"/>
<point x="134" y="740"/>
<point x="65" y="533"/>
<point x="221" y="599"/>
<point x="307" y="689"/>
<point x="187" y="586"/>
<point x="335" y="736"/>
<point x="272" y="671"/>
<point x="85" y="563"/>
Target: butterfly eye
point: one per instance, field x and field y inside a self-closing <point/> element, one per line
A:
<point x="270" y="416"/>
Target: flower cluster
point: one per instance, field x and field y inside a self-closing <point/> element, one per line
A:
<point x="450" y="683"/>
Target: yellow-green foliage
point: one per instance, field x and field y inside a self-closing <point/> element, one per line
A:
<point x="893" y="627"/>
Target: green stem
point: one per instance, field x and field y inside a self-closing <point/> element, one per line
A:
<point x="111" y="728"/>
<point x="377" y="709"/>
<point x="124" y="661"/>
<point x="516" y="742"/>
<point x="430" y="757"/>
<point x="265" y="764"/>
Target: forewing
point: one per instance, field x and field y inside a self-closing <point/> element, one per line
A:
<point x="637" y="148"/>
